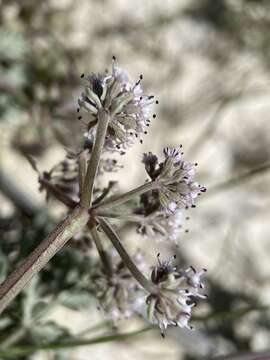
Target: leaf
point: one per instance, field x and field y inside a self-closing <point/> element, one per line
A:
<point x="3" y="266"/>
<point x="76" y="300"/>
<point x="31" y="298"/>
<point x="4" y="322"/>
<point x="48" y="332"/>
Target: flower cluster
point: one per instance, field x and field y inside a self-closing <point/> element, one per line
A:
<point x="177" y="293"/>
<point x="128" y="106"/>
<point x="161" y="209"/>
<point x="118" y="113"/>
<point x="161" y="226"/>
<point x="63" y="177"/>
<point x="62" y="180"/>
<point x="118" y="293"/>
<point x="156" y="223"/>
<point x="177" y="187"/>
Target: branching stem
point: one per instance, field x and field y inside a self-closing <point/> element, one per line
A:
<point x="102" y="252"/>
<point x="113" y="237"/>
<point x="118" y="200"/>
<point x="40" y="256"/>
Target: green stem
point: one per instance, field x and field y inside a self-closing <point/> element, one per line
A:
<point x="40" y="256"/>
<point x="111" y="234"/>
<point x="91" y="172"/>
<point x="127" y="217"/>
<point x="82" y="169"/>
<point x="14" y="338"/>
<point x="107" y="266"/>
<point x="12" y="352"/>
<point x="120" y="199"/>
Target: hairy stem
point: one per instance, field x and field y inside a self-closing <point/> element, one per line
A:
<point x="17" y="280"/>
<point x="111" y="234"/>
<point x="107" y="266"/>
<point x="118" y="200"/>
<point x="91" y="172"/>
<point x="82" y="169"/>
<point x="121" y="216"/>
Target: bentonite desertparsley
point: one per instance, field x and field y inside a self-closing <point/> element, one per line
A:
<point x="117" y="112"/>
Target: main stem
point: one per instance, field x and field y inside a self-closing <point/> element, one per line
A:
<point x="40" y="256"/>
<point x="111" y="234"/>
<point x="88" y="185"/>
<point x="118" y="200"/>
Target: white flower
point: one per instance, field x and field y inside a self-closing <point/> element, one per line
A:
<point x="177" y="186"/>
<point x="63" y="178"/>
<point x="128" y="106"/>
<point x="173" y="301"/>
<point x="162" y="226"/>
<point x="118" y="294"/>
<point x="156" y="223"/>
<point x="193" y="279"/>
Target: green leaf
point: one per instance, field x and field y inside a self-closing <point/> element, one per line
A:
<point x="48" y="332"/>
<point x="76" y="300"/>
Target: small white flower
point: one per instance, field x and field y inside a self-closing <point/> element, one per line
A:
<point x="119" y="294"/>
<point x="177" y="186"/>
<point x="173" y="301"/>
<point x="63" y="178"/>
<point x="162" y="226"/>
<point x="193" y="278"/>
<point x="155" y="222"/>
<point x="128" y="106"/>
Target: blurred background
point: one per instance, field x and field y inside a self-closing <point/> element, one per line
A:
<point x="207" y="62"/>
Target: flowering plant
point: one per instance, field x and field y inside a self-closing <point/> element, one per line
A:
<point x="117" y="112"/>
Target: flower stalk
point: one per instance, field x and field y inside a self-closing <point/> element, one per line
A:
<point x="91" y="172"/>
<point x="113" y="237"/>
<point x="107" y="266"/>
<point x="121" y="199"/>
<point x="133" y="218"/>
